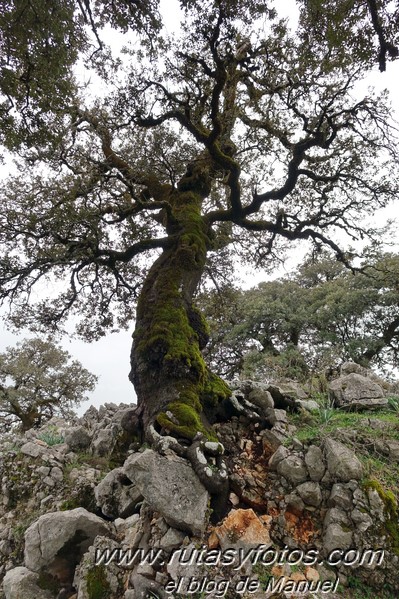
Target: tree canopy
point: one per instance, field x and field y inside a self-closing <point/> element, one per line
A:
<point x="320" y="315"/>
<point x="38" y="381"/>
<point x="236" y="136"/>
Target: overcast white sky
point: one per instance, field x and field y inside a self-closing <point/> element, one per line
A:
<point x="109" y="357"/>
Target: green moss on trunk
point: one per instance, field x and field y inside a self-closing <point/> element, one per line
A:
<point x="171" y="332"/>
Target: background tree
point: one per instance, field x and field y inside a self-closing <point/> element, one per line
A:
<point x="237" y="134"/>
<point x="38" y="381"/>
<point x="320" y="315"/>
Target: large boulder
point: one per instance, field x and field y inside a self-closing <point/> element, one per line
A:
<point x="171" y="487"/>
<point x="355" y="391"/>
<point x="61" y="537"/>
<point x="21" y="583"/>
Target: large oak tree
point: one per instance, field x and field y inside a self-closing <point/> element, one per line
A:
<point x="237" y="133"/>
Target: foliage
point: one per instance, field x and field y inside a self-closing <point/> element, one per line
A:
<point x="40" y="44"/>
<point x="38" y="381"/>
<point x="358" y="589"/>
<point x="236" y="137"/>
<point x="97" y="583"/>
<point x="51" y="436"/>
<point x="367" y="29"/>
<point x="393" y="403"/>
<point x="317" y="316"/>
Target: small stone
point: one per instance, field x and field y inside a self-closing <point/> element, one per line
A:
<point x="315" y="463"/>
<point x="310" y="492"/>
<point x="293" y="469"/>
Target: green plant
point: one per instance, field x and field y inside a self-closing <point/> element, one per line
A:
<point x="97" y="583"/>
<point x="264" y="573"/>
<point x="326" y="408"/>
<point x="358" y="589"/>
<point x="393" y="403"/>
<point x="51" y="436"/>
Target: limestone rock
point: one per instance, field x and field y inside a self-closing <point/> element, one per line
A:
<point x="280" y="454"/>
<point x="116" y="496"/>
<point x="104" y="441"/>
<point x="286" y="394"/>
<point x="72" y="530"/>
<point x="356" y="391"/>
<point x="170" y="487"/>
<point x="315" y="463"/>
<point x="293" y="469"/>
<point x="342" y="463"/>
<point x="273" y="416"/>
<point x="340" y="497"/>
<point x="21" y="583"/>
<point x="310" y="405"/>
<point x="34" y="450"/>
<point x="335" y="537"/>
<point x="310" y="493"/>
<point x="77" y="438"/>
<point x="260" y="396"/>
<point x="352" y="367"/>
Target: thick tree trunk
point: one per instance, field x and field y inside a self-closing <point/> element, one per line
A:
<point x="172" y="382"/>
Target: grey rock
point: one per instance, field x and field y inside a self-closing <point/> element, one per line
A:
<point x="273" y="415"/>
<point x="75" y="529"/>
<point x="335" y="537"/>
<point x="44" y="470"/>
<point x="172" y="539"/>
<point x="356" y="391"/>
<point x="392" y="448"/>
<point x="280" y="454"/>
<point x="286" y="394"/>
<point x="260" y="396"/>
<point x="57" y="474"/>
<point x="111" y="573"/>
<point x="315" y="463"/>
<point x="307" y="404"/>
<point x="377" y="506"/>
<point x="104" y="441"/>
<point x="34" y="450"/>
<point x="342" y="463"/>
<point x="171" y="488"/>
<point x="336" y="516"/>
<point x="294" y="501"/>
<point x="340" y="497"/>
<point x="272" y="439"/>
<point x="21" y="583"/>
<point x="352" y="367"/>
<point x="362" y="520"/>
<point x="48" y="481"/>
<point x="293" y="469"/>
<point x="310" y="492"/>
<point x="77" y="438"/>
<point x="116" y="496"/>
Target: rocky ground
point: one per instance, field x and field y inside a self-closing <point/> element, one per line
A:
<point x="313" y="489"/>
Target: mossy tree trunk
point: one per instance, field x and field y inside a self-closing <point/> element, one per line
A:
<point x="172" y="381"/>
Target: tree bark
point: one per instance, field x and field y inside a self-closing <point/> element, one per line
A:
<point x="173" y="384"/>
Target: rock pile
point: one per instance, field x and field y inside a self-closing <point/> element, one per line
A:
<point x="87" y="514"/>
